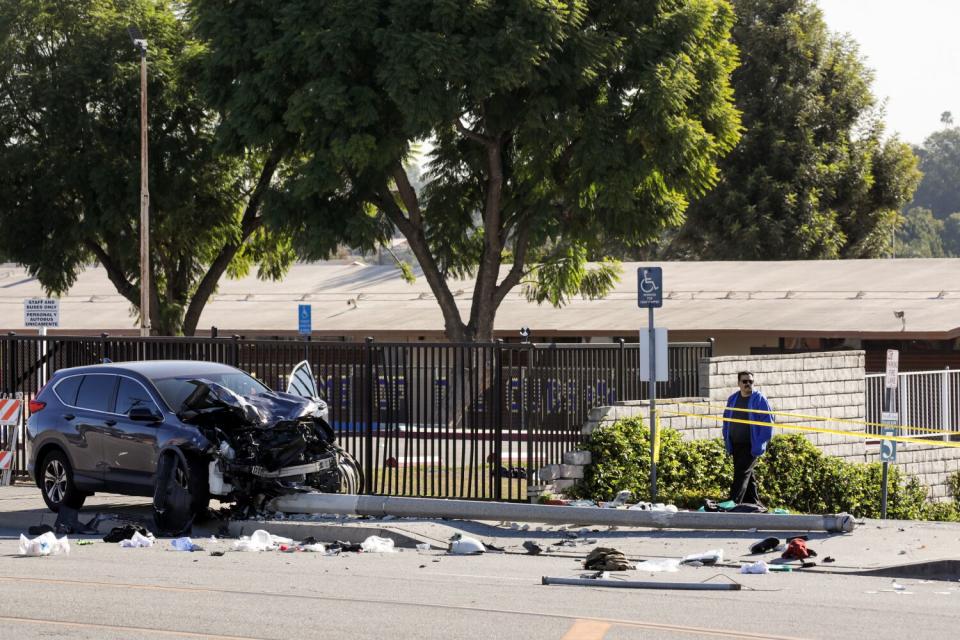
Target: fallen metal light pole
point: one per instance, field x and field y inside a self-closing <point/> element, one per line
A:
<point x="633" y="584"/>
<point x="379" y="506"/>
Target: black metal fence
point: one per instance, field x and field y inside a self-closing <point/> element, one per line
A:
<point x="445" y="420"/>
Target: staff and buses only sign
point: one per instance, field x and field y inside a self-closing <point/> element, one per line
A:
<point x="41" y="312"/>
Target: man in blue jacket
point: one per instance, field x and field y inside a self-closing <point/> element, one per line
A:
<point x="746" y="442"/>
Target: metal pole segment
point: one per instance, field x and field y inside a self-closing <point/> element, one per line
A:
<point x="883" y="480"/>
<point x="144" y="203"/>
<point x="653" y="405"/>
<point x="632" y="584"/>
<point x="379" y="506"/>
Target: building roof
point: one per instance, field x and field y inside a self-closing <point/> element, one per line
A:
<point x="848" y="298"/>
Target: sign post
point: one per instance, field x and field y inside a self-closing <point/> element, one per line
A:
<point x="650" y="296"/>
<point x="305" y="327"/>
<point x="41" y="313"/>
<point x="888" y="448"/>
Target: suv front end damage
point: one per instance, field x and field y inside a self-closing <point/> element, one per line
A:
<point x="260" y="447"/>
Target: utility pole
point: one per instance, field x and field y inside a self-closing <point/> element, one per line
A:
<point x="141" y="45"/>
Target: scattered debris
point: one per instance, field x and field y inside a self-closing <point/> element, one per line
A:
<point x="217" y="554"/>
<point x="532" y="548"/>
<point x="829" y="559"/>
<point x="707" y="558"/>
<point x="620" y="499"/>
<point x="260" y="540"/>
<point x="83" y="543"/>
<point x="797" y="550"/>
<point x="669" y="565"/>
<point x="138" y="540"/>
<point x="44" y="545"/>
<point x="376" y="544"/>
<point x="465" y="546"/>
<point x="755" y="567"/>
<point x="184" y="544"/>
<point x="125" y="533"/>
<point x="765" y="546"/>
<point x="607" y="559"/>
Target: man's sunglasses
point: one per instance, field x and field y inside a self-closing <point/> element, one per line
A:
<point x="750" y="382"/>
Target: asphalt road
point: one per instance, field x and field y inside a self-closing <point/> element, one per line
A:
<point x="103" y="591"/>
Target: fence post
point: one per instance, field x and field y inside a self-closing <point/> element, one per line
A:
<point x="235" y="351"/>
<point x="620" y="370"/>
<point x="945" y="402"/>
<point x="368" y="471"/>
<point x="498" y="430"/>
<point x="104" y="347"/>
<point x="10" y="376"/>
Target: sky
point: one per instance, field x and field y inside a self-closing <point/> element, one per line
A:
<point x="913" y="48"/>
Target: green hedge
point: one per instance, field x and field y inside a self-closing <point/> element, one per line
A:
<point x="793" y="474"/>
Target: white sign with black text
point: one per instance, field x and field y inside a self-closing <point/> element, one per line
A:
<point x="41" y="312"/>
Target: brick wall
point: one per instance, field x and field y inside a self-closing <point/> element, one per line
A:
<point x="824" y="385"/>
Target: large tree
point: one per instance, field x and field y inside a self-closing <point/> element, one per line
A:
<point x="939" y="191"/>
<point x="812" y="176"/>
<point x="920" y="235"/>
<point x="70" y="157"/>
<point x="553" y="126"/>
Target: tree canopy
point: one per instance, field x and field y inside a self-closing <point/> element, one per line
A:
<point x="939" y="190"/>
<point x="69" y="157"/>
<point x="812" y="176"/>
<point x="919" y="235"/>
<point x="554" y="126"/>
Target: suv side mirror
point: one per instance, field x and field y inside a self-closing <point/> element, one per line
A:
<point x="144" y="414"/>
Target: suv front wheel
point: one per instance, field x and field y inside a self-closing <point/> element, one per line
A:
<point x="56" y="483"/>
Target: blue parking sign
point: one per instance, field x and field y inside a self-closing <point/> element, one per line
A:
<point x="305" y="321"/>
<point x="649" y="287"/>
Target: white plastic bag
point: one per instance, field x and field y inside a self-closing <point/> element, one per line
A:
<point x="260" y="540"/>
<point x="664" y="564"/>
<point x="138" y="540"/>
<point x="376" y="544"/>
<point x="757" y="567"/>
<point x="44" y="545"/>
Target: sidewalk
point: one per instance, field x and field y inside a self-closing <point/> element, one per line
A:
<point x="892" y="548"/>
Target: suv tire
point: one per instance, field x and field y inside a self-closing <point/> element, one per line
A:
<point x="56" y="483"/>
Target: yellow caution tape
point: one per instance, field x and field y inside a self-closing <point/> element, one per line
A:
<point x="806" y="416"/>
<point x="794" y="427"/>
<point x="656" y="440"/>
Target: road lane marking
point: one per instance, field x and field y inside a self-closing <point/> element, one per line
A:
<point x="587" y="630"/>
<point x="116" y="627"/>
<point x="640" y="624"/>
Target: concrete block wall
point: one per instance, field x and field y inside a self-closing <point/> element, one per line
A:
<point x="819" y="386"/>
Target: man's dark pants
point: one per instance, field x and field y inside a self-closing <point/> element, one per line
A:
<point x="744" y="486"/>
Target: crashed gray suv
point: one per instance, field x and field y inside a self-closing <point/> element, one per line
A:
<point x="182" y="432"/>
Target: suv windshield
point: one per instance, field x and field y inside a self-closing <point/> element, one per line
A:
<point x="175" y="390"/>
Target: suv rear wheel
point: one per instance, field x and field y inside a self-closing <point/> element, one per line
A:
<point x="56" y="483"/>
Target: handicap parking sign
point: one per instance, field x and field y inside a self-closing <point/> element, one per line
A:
<point x="649" y="287"/>
<point x="305" y="321"/>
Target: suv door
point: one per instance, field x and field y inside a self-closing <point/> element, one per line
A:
<point x="132" y="446"/>
<point x="90" y="416"/>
